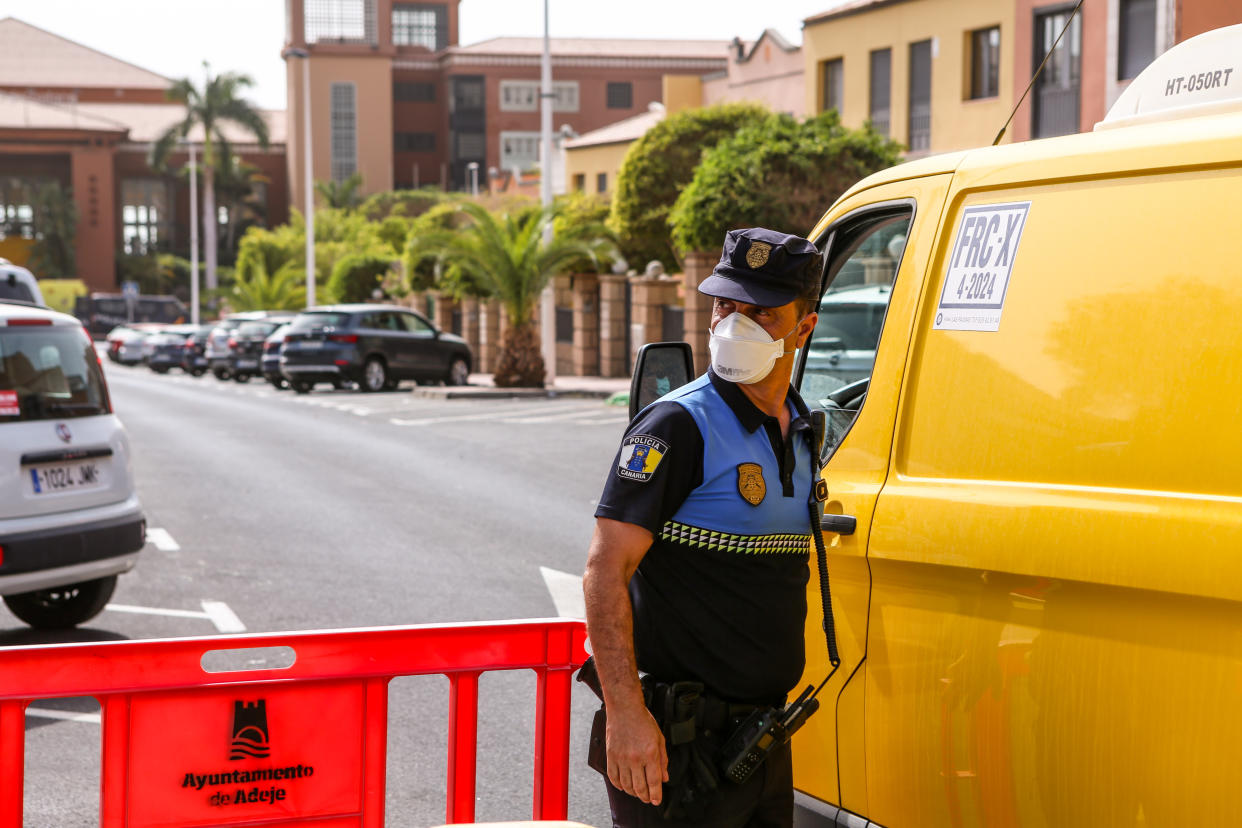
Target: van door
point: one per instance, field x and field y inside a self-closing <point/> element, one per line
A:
<point x="876" y="244"/>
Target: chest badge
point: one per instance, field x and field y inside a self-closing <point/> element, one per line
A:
<point x="750" y="483"/>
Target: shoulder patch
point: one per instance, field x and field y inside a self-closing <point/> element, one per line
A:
<point x="640" y="455"/>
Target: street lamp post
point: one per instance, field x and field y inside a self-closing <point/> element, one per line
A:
<point x="547" y="301"/>
<point x="473" y="167"/>
<point x="193" y="236"/>
<point x="308" y="169"/>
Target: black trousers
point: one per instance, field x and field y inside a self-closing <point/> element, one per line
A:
<point x="765" y="800"/>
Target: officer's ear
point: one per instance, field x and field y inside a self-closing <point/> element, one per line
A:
<point x="807" y="327"/>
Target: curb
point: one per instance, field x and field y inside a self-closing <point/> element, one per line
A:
<point x="492" y="393"/>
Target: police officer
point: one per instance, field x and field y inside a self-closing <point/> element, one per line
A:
<point x="697" y="569"/>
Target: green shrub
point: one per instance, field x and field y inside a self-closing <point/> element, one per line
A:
<point x="408" y="203"/>
<point x="355" y="277"/>
<point x="776" y="173"/>
<point x="655" y="170"/>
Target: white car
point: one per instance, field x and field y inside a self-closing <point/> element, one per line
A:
<point x="19" y="284"/>
<point x="70" y="519"/>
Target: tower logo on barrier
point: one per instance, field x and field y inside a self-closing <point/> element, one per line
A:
<point x="250" y="736"/>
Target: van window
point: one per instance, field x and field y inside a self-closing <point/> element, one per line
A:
<point x="862" y="260"/>
<point x="49" y="373"/>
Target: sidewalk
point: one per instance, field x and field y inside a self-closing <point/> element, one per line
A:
<point x="480" y="387"/>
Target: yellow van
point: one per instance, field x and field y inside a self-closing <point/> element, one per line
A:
<point x="1040" y="611"/>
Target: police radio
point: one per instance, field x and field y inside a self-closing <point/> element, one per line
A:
<point x="763" y="731"/>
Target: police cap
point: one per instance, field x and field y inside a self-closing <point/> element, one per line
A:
<point x="764" y="267"/>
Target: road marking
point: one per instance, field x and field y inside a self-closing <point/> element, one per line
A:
<point x="217" y="612"/>
<point x="566" y="591"/>
<point x="225" y="619"/>
<point x="162" y="540"/>
<point x="495" y="414"/>
<point x="63" y="715"/>
<point x="548" y="418"/>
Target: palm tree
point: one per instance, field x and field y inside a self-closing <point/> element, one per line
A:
<point x="236" y="182"/>
<point x="343" y="194"/>
<point x="506" y="257"/>
<point x="257" y="290"/>
<point x="218" y="102"/>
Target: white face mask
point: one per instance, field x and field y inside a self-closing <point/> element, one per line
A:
<point x="742" y="351"/>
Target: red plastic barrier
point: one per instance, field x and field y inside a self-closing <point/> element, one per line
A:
<point x="289" y="747"/>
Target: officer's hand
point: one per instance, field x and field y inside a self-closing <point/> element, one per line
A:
<point x="637" y="761"/>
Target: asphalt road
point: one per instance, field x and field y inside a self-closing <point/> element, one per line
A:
<point x="272" y="511"/>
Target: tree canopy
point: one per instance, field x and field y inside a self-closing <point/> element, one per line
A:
<point x="655" y="170"/>
<point x="778" y="173"/>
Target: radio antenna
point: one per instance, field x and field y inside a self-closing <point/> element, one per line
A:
<point x="1035" y="77"/>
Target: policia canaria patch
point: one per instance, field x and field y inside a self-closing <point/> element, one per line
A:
<point x="640" y="455"/>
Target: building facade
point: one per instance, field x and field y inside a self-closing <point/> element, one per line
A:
<point x="395" y="97"/>
<point x="83" y="119"/>
<point x="767" y="71"/>
<point x="943" y="75"/>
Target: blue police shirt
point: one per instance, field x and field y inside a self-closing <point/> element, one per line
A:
<point x="720" y="597"/>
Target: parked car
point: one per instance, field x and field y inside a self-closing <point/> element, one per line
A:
<point x="375" y="346"/>
<point x="269" y="364"/>
<point x="246" y="347"/>
<point x="164" y="350"/>
<point x="219" y="356"/>
<point x="17" y="284"/>
<point x="194" y="351"/>
<point x="101" y="312"/>
<point x="70" y="520"/>
<point x="130" y="351"/>
<point x="843" y="347"/>
<point x="115" y="338"/>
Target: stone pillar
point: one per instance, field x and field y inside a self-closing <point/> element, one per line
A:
<point x="698" y="314"/>
<point x="586" y="325"/>
<point x="489" y="335"/>
<point x="95" y="241"/>
<point x="647" y="300"/>
<point x="613" y="359"/>
<point x="442" y="315"/>
<point x="563" y="299"/>
<point x="470" y="324"/>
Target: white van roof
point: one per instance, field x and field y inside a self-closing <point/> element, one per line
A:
<point x="1199" y="76"/>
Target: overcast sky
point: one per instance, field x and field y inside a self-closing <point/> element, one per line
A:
<point x="174" y="37"/>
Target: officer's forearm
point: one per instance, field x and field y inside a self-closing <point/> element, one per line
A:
<point x="615" y="552"/>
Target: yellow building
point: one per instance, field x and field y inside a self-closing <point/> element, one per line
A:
<point x="593" y="160"/>
<point x="935" y="75"/>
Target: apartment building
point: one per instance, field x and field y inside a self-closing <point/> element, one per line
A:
<point x="396" y="98"/>
<point x="942" y="75"/>
<point x="77" y="116"/>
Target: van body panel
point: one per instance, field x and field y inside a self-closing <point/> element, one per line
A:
<point x="855" y="473"/>
<point x="1055" y="629"/>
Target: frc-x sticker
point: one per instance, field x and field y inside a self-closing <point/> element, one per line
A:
<point x="979" y="267"/>
<point x="640" y="455"/>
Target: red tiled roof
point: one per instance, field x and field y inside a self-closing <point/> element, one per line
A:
<point x="34" y="57"/>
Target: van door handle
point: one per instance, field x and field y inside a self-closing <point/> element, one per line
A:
<point x="841" y="524"/>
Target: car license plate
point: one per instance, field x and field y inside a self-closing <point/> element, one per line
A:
<point x="66" y="477"/>
<point x="310" y="345"/>
<point x="244" y="364"/>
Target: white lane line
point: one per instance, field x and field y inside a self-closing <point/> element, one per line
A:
<point x="217" y="612"/>
<point x="497" y="415"/>
<point x="566" y="591"/>
<point x="169" y="613"/>
<point x="608" y="421"/>
<point x="63" y="715"/>
<point x="225" y="619"/>
<point x="548" y="418"/>
<point x="162" y="540"/>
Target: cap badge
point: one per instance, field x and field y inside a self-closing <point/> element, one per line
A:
<point x="750" y="483"/>
<point x="757" y="255"/>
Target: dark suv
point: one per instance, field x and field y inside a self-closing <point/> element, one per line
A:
<point x="375" y="346"/>
<point x="246" y="347"/>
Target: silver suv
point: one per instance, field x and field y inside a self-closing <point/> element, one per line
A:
<point x="70" y="520"/>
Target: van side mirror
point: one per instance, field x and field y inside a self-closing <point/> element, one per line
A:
<point x="660" y="368"/>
